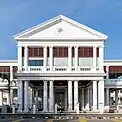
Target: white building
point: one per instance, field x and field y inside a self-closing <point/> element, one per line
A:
<point x="61" y="61"/>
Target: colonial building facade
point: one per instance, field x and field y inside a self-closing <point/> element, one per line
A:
<point x="61" y="62"/>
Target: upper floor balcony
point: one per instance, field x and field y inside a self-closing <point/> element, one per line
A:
<point x="60" y="59"/>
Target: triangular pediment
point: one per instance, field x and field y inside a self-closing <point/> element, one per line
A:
<point x="60" y="27"/>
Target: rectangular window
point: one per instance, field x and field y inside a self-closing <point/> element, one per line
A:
<point x="85" y="52"/>
<point x="35" y="52"/>
<point x="60" y="52"/>
<point x="35" y="63"/>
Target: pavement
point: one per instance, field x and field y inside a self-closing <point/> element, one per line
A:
<point x="85" y="120"/>
<point x="100" y="120"/>
<point x="22" y="120"/>
<point x="42" y="120"/>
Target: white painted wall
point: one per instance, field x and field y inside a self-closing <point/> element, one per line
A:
<point x="68" y="31"/>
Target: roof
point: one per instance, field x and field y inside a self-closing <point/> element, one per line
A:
<point x="53" y="21"/>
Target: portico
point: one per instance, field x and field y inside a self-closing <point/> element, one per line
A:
<point x="63" y="62"/>
<point x="68" y="93"/>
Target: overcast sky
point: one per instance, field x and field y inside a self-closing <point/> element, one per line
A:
<point x="103" y="15"/>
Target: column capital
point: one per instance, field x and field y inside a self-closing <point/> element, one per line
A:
<point x="75" y="80"/>
<point x="76" y="46"/>
<point x="45" y="81"/>
<point x="107" y="66"/>
<point x="101" y="46"/>
<point x="94" y="46"/>
<point x="51" y="80"/>
<point x="25" y="46"/>
<point x="70" y="46"/>
<point x="19" y="46"/>
<point x="70" y="81"/>
<point x="51" y="46"/>
<point x="45" y="46"/>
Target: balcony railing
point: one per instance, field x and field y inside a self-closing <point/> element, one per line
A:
<point x="36" y="69"/>
<point x="114" y="81"/>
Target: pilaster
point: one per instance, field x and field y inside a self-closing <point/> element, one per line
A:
<point x="45" y="58"/>
<point x="76" y="58"/>
<point x="51" y="57"/>
<point x="19" y="58"/>
<point x="26" y="58"/>
<point x="70" y="58"/>
<point x="45" y="98"/>
<point x="94" y="57"/>
<point x="51" y="96"/>
<point x="95" y="95"/>
<point x="101" y="95"/>
<point x="20" y="95"/>
<point x="75" y="95"/>
<point x="26" y="95"/>
<point x="69" y="96"/>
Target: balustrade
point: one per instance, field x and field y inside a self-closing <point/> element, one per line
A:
<point x="37" y="69"/>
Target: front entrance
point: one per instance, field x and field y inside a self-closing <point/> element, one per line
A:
<point x="60" y="99"/>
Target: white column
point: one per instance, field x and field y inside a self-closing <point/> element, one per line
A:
<point x="82" y="98"/>
<point x="76" y="58"/>
<point x="8" y="98"/>
<point x="95" y="95"/>
<point x="101" y="95"/>
<point x="116" y="96"/>
<point x="107" y="71"/>
<point x="101" y="58"/>
<point x="75" y="95"/>
<point x="45" y="96"/>
<point x="26" y="94"/>
<point x="30" y="97"/>
<point x="66" y="99"/>
<point x="1" y="97"/>
<point x="87" y="105"/>
<point x="11" y="73"/>
<point x="11" y="96"/>
<point x="19" y="58"/>
<point x="94" y="57"/>
<point x="36" y="100"/>
<point x="45" y="58"/>
<point x="90" y="98"/>
<point x="26" y="58"/>
<point x="20" y="95"/>
<point x="69" y="96"/>
<point x="110" y="98"/>
<point x="51" y="57"/>
<point x="69" y="58"/>
<point x="107" y="96"/>
<point x="51" y="97"/>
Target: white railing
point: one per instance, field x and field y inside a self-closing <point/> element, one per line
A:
<point x="84" y="69"/>
<point x="3" y="84"/>
<point x="36" y="69"/>
<point x="113" y="81"/>
<point x="60" y="68"/>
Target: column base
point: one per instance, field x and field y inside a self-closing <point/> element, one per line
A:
<point x="19" y="111"/>
<point x="87" y="107"/>
<point x="71" y="110"/>
<point x="26" y="111"/>
<point x="45" y="111"/>
<point x="95" y="111"/>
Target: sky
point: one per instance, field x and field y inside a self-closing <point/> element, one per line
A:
<point x="102" y="15"/>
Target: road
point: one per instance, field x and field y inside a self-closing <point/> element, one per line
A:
<point x="22" y="120"/>
<point x="99" y="120"/>
<point x="40" y="120"/>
